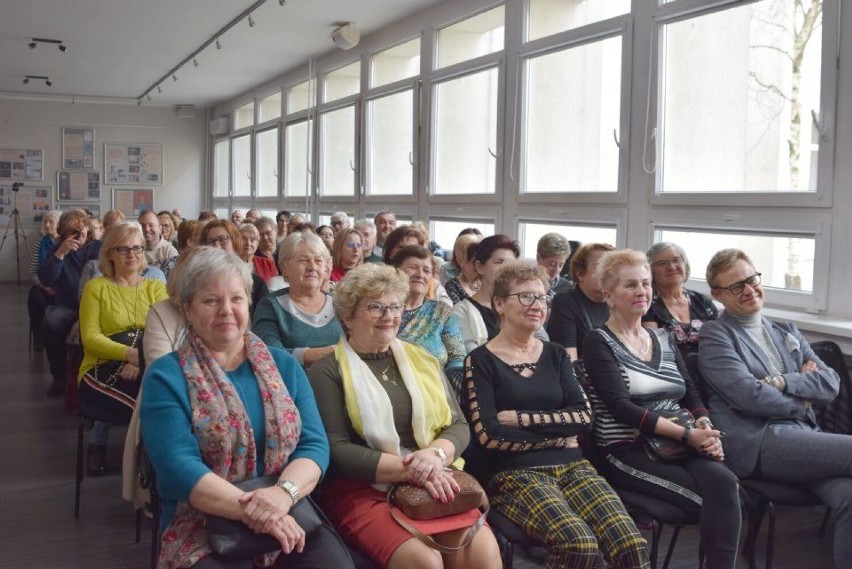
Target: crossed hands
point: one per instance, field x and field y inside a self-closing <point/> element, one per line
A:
<point x="267" y="511"/>
<point x="707" y="440"/>
<point x="425" y="469"/>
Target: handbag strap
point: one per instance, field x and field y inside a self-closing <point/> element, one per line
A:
<point x="428" y="540"/>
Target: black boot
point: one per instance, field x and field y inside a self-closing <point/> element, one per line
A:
<point x="96" y="460"/>
<point x="57" y="387"/>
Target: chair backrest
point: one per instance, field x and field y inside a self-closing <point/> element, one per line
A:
<point x="836" y="417"/>
<point x="695" y="374"/>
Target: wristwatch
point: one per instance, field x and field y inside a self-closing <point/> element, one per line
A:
<point x="440" y="453"/>
<point x="290" y="488"/>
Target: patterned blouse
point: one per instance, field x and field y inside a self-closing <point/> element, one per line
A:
<point x="434" y="328"/>
<point x="701" y="309"/>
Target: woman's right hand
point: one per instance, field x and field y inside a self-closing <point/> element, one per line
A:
<point x="442" y="486"/>
<point x="131" y="355"/>
<point x="703" y="439"/>
<point x="289" y="534"/>
<point x="129" y="372"/>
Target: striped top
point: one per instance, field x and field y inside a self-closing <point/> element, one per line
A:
<point x="629" y="394"/>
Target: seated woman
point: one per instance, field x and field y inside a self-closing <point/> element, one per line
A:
<point x="676" y="309"/>
<point x="765" y="381"/>
<point x="300" y="319"/>
<point x="262" y="260"/>
<point x="465" y="281"/>
<point x="406" y="235"/>
<point x="186" y="236"/>
<point x="224" y="375"/>
<point x="428" y="323"/>
<point x="578" y="311"/>
<point x="223" y="234"/>
<point x="346" y="253"/>
<point x="526" y="410"/>
<point x="638" y="376"/>
<point x="40" y="296"/>
<point x="251" y="238"/>
<point x="327" y="235"/>
<point x="115" y="304"/>
<point x="390" y="417"/>
<point x="551" y="252"/>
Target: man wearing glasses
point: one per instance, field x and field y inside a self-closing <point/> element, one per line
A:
<point x="339" y="222"/>
<point x="765" y="381"/>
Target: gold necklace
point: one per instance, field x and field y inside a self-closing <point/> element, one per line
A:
<point x="384" y="374"/>
<point x="474" y="286"/>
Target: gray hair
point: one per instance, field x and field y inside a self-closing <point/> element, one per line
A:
<point x="263" y="221"/>
<point x="54" y="213"/>
<point x="365" y="223"/>
<point x="289" y="246"/>
<point x="658" y="248"/>
<point x="553" y="245"/>
<point x="207" y="265"/>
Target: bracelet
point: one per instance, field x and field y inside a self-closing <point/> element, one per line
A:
<point x="520" y="420"/>
<point x="685" y="436"/>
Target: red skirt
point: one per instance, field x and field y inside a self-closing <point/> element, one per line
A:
<point x="360" y="514"/>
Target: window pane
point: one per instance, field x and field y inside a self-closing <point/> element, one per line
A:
<point x="242" y="165"/>
<point x="529" y="233"/>
<point x="445" y="232"/>
<point x="390" y="135"/>
<point x="396" y="63"/>
<point x="296" y="158"/>
<point x="337" y="139"/>
<point x="573" y="108"/>
<point x="267" y="162"/>
<point x="547" y="17"/>
<point x="466" y="134"/>
<point x="471" y="38"/>
<point x="269" y="107"/>
<point x="222" y="213"/>
<point x="343" y="82"/>
<point x="299" y="96"/>
<point x="786" y="262"/>
<point x="221" y="154"/>
<point x="244" y="116"/>
<point x="751" y="131"/>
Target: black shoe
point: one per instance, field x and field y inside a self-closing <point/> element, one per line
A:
<point x="57" y="387"/>
<point x="96" y="460"/>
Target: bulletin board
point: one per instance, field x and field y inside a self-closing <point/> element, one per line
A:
<point x="78" y="186"/>
<point x="132" y="201"/>
<point x="21" y="164"/>
<point x="33" y="203"/>
<point x="133" y="164"/>
<point x="78" y="148"/>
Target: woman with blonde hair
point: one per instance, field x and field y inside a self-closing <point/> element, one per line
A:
<point x="466" y="281"/>
<point x="347" y="252"/>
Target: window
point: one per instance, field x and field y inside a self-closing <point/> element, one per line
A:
<point x="530" y="232"/>
<point x="269" y="108"/>
<point x="221" y="169"/>
<point x="573" y="103"/>
<point x="222" y="212"/>
<point x="297" y="158"/>
<point x="395" y="64"/>
<point x="465" y="147"/>
<point x="244" y="116"/>
<point x="445" y="232"/>
<point x="266" y="145"/>
<point x="471" y="38"/>
<point x="299" y="97"/>
<point x="337" y="155"/>
<point x="785" y="261"/>
<point x="547" y="17"/>
<point x="751" y="131"/>
<point x="241" y="182"/>
<point x="390" y="152"/>
<point x="343" y="82"/>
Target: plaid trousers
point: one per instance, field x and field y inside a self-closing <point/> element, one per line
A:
<point x="573" y="511"/>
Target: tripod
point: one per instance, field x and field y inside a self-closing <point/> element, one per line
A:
<point x="15" y="221"/>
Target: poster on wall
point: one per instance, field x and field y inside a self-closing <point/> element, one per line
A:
<point x="78" y="186"/>
<point x="131" y="201"/>
<point x="32" y="203"/>
<point x="131" y="164"/>
<point x="78" y="148"/>
<point x="21" y="164"/>
<point x="95" y="208"/>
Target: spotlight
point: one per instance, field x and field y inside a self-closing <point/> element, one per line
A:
<point x="139" y="103"/>
<point x="26" y="80"/>
<point x="282" y="2"/>
<point x="218" y="44"/>
<point x="63" y="48"/>
<point x="174" y="76"/>
<point x="251" y="21"/>
<point x="159" y="89"/>
<point x="48" y="83"/>
<point x="194" y="62"/>
<point x="32" y="45"/>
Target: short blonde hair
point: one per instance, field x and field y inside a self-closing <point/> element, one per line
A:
<point x="612" y="262"/>
<point x="515" y="273"/>
<point x="112" y="217"/>
<point x="290" y="245"/>
<point x="722" y="261"/>
<point x="116" y="235"/>
<point x="462" y="244"/>
<point x="553" y="245"/>
<point x="370" y="280"/>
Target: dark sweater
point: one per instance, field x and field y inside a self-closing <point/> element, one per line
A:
<point x="573" y="316"/>
<point x="701" y="309"/>
<point x="63" y="276"/>
<point x="550" y="402"/>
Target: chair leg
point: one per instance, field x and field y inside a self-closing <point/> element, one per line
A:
<point x="770" y="538"/>
<point x="79" y="474"/>
<point x="155" y="529"/>
<point x="656" y="532"/>
<point x="672" y="543"/>
<point x="138" y="525"/>
<point x="755" y="514"/>
<point x="824" y="522"/>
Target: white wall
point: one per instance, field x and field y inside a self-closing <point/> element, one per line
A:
<point x="38" y="125"/>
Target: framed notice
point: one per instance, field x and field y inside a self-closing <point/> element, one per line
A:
<point x="78" y="186"/>
<point x="78" y="148"/>
<point x="95" y="208"/>
<point x="32" y="203"/>
<point x="131" y="201"/>
<point x="133" y="164"/>
<point x="21" y="164"/>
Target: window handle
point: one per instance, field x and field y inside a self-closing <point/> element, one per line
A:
<point x="492" y="153"/>
<point x="351" y="166"/>
<point x="615" y="138"/>
<point x="410" y="158"/>
<point x="275" y="172"/>
<point x="823" y="136"/>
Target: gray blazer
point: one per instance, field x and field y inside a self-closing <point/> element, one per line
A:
<point x="732" y="363"/>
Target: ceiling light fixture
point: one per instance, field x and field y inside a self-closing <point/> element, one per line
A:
<point x="174" y="76"/>
<point x="44" y="78"/>
<point x="194" y="62"/>
<point x="159" y="89"/>
<point x="218" y="44"/>
<point x="32" y="45"/>
<point x="58" y="43"/>
<point x="26" y="80"/>
<point x="48" y="83"/>
<point x="251" y="21"/>
<point x="282" y="2"/>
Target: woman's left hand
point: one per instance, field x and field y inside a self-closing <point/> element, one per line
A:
<point x="421" y="465"/>
<point x="508" y="418"/>
<point x="129" y="372"/>
<point x="712" y="447"/>
<point x="264" y="508"/>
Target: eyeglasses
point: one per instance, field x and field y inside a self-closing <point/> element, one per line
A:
<point x="378" y="309"/>
<point x="738" y="287"/>
<point x="529" y="298"/>
<point x="136" y="250"/>
<point x="336" y="223"/>
<point x="353" y="246"/>
<point x="666" y="262"/>
<point x="220" y="241"/>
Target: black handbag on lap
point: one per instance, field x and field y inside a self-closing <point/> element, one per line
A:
<point x="233" y="539"/>
<point x="667" y="449"/>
